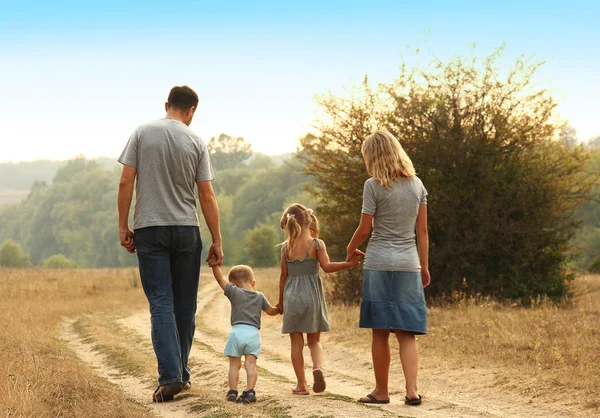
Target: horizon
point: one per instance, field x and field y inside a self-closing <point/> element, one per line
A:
<point x="256" y="68"/>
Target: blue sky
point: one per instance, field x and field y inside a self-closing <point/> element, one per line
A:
<point x="77" y="77"/>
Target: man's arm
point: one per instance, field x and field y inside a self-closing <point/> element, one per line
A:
<point x="124" y="205"/>
<point x="210" y="211"/>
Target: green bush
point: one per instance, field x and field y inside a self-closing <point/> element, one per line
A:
<point x="12" y="255"/>
<point x="502" y="190"/>
<point x="59" y="261"/>
<point x="261" y="247"/>
<point x="594" y="266"/>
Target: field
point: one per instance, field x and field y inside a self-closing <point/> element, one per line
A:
<point x="76" y="343"/>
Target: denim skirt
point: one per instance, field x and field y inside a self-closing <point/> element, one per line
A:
<point x="393" y="300"/>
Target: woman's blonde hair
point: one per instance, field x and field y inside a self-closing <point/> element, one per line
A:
<point x="385" y="158"/>
<point x="294" y="218"/>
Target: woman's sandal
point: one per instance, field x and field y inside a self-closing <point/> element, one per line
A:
<point x="413" y="402"/>
<point x="247" y="396"/>
<point x="319" y="383"/>
<point x="298" y="391"/>
<point x="165" y="393"/>
<point x="232" y="395"/>
<point x="372" y="399"/>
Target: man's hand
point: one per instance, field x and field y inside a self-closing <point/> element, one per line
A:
<point x="425" y="277"/>
<point x="127" y="240"/>
<point x="215" y="251"/>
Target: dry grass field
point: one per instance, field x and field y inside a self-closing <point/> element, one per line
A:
<point x="477" y="350"/>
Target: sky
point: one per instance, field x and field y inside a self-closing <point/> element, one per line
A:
<point x="78" y="77"/>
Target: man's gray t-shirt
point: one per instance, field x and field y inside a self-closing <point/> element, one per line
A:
<point x="169" y="158"/>
<point x="246" y="305"/>
<point x="392" y="246"/>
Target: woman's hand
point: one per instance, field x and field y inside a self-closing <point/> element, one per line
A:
<point x="425" y="277"/>
<point x="351" y="253"/>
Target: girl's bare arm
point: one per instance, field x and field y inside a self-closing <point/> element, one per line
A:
<point x="282" y="279"/>
<point x="331" y="267"/>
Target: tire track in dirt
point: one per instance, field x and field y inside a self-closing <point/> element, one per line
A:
<point x="135" y="388"/>
<point x="272" y="388"/>
<point x="449" y="393"/>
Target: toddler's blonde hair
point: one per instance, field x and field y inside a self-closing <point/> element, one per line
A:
<point x="240" y="274"/>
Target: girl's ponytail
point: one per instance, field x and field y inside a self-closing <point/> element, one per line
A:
<point x="292" y="221"/>
<point x="292" y="231"/>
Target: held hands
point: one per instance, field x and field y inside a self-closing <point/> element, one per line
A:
<point x="213" y="262"/>
<point x="127" y="240"/>
<point x="215" y="252"/>
<point x="354" y="261"/>
<point x="280" y="307"/>
<point x="350" y="255"/>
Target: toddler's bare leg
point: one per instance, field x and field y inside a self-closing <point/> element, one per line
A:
<point x="251" y="373"/>
<point x="235" y="365"/>
<point x="297" y="342"/>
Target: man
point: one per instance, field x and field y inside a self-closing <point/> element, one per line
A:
<point x="168" y="158"/>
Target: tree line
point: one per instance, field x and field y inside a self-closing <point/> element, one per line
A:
<point x="72" y="220"/>
<point x="513" y="200"/>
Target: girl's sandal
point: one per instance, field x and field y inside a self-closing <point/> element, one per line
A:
<point x="247" y="396"/>
<point x="298" y="391"/>
<point x="232" y="395"/>
<point x="319" y="383"/>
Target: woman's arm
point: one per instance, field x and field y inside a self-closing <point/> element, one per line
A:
<point x="360" y="235"/>
<point x="423" y="244"/>
<point x="332" y="267"/>
<point x="282" y="279"/>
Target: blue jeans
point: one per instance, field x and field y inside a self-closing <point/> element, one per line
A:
<point x="169" y="262"/>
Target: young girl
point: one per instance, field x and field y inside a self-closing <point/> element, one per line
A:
<point x="301" y="291"/>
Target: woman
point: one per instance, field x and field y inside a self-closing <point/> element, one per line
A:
<point x="395" y="271"/>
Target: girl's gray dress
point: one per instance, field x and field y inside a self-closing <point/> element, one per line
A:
<point x="304" y="308"/>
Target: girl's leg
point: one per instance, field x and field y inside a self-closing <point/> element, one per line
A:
<point x="409" y="356"/>
<point x="235" y="364"/>
<point x="316" y="352"/>
<point x="297" y="342"/>
<point x="251" y="372"/>
<point x="380" y="350"/>
<point x="316" y="349"/>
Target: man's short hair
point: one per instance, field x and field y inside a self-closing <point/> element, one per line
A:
<point x="240" y="274"/>
<point x="182" y="97"/>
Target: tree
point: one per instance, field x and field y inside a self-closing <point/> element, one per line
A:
<point x="260" y="244"/>
<point x="502" y="190"/>
<point x="12" y="255"/>
<point x="59" y="261"/>
<point x="568" y="136"/>
<point x="228" y="152"/>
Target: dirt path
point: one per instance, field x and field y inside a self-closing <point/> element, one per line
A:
<point x="448" y="393"/>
